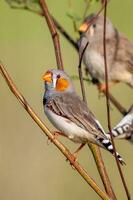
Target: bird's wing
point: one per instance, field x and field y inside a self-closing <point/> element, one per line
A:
<point x="125" y="52"/>
<point x="74" y="109"/>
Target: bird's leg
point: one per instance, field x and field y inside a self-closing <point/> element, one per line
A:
<point x="75" y="154"/>
<point x="102" y="86"/>
<point x="56" y="134"/>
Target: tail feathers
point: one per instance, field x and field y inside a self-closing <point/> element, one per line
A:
<point x="108" y="146"/>
<point x="121" y="130"/>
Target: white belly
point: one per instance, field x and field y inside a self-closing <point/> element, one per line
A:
<point x="70" y="129"/>
<point x="95" y="63"/>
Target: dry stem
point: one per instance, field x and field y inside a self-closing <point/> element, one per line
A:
<point x="108" y="104"/>
<point x="95" y="149"/>
<point x="120" y="108"/>
<point x="45" y="130"/>
<point x="53" y="32"/>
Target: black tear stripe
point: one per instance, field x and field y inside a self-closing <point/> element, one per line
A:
<point x="44" y="101"/>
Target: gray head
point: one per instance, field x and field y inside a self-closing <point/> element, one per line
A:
<point x="57" y="82"/>
<point x="92" y="28"/>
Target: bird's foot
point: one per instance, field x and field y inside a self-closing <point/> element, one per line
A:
<point x="56" y="134"/>
<point x="75" y="154"/>
<point x="102" y="87"/>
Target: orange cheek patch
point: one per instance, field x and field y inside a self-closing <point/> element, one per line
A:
<point x="62" y="84"/>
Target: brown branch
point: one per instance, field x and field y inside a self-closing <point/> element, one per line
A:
<point x="96" y="16"/>
<point x="95" y="149"/>
<point x="48" y="133"/>
<point x="108" y="104"/>
<point x="49" y="19"/>
<point x="58" y="26"/>
<point x="102" y="171"/>
<point x="56" y="38"/>
<point x="53" y="32"/>
<point x="65" y="34"/>
<point x="80" y="73"/>
<point x="121" y="109"/>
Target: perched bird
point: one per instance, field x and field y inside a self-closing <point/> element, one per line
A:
<point x="69" y="114"/>
<point x="119" y="51"/>
<point x="124" y="129"/>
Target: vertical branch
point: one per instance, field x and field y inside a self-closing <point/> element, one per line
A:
<point x="102" y="170"/>
<point x="58" y="57"/>
<point x="108" y="104"/>
<point x="120" y="108"/>
<point x="53" y="32"/>
<point x="80" y="73"/>
<point x="95" y="149"/>
<point x="49" y="134"/>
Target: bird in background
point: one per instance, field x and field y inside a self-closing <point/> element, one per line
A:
<point x="70" y="115"/>
<point x="124" y="129"/>
<point x="119" y="52"/>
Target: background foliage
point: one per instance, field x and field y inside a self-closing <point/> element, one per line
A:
<point x="31" y="169"/>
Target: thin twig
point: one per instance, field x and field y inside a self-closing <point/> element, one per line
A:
<point x="86" y="9"/>
<point x="95" y="149"/>
<point x="108" y="104"/>
<point x="53" y="32"/>
<point x="58" y="26"/>
<point x="120" y="108"/>
<point x="48" y="21"/>
<point x="65" y="34"/>
<point x="96" y="16"/>
<point x="49" y="134"/>
<point x="80" y="73"/>
<point x="96" y="152"/>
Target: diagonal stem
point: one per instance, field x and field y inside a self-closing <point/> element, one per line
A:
<point x="120" y="108"/>
<point x="49" y="134"/>
<point x="95" y="149"/>
<point x="53" y="32"/>
<point x="102" y="170"/>
<point x="51" y="25"/>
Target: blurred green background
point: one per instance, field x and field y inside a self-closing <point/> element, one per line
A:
<point x="30" y="168"/>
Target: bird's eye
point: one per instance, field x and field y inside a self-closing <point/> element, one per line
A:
<point x="94" y="25"/>
<point x="58" y="76"/>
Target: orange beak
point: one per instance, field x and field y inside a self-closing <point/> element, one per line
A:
<point x="47" y="77"/>
<point x="83" y="27"/>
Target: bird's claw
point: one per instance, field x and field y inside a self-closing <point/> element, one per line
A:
<point x="102" y="87"/>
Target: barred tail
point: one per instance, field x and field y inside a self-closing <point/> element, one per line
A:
<point x="108" y="146"/>
<point x="121" y="130"/>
